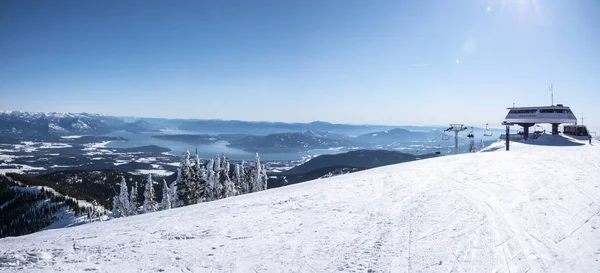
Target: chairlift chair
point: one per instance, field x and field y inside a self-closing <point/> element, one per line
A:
<point x="445" y="137"/>
<point x="438" y="152"/>
<point x="487" y="131"/>
<point x="470" y="135"/>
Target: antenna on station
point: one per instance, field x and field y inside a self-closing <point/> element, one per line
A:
<point x="551" y="94"/>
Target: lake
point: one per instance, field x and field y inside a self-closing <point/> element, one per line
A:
<point x="211" y="150"/>
<point x="205" y="151"/>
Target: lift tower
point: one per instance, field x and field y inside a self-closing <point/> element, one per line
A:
<point x="456" y="128"/>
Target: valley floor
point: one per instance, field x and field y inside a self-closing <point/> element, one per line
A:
<point x="533" y="209"/>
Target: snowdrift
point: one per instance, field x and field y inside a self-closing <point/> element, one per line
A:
<point x="533" y="209"/>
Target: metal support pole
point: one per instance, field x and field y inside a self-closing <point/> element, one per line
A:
<point x="507" y="137"/>
<point x="457" y="128"/>
<point x="555" y="128"/>
<point x="456" y="142"/>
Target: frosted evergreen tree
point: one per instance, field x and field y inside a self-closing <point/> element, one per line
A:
<point x="211" y="181"/>
<point x="149" y="198"/>
<point x="203" y="173"/>
<point x="173" y="192"/>
<point x="224" y="162"/>
<point x="244" y="179"/>
<point x="94" y="213"/>
<point x="190" y="185"/>
<point x="237" y="179"/>
<point x="256" y="175"/>
<point x="219" y="190"/>
<point x="197" y="169"/>
<point x="200" y="189"/>
<point x="123" y="205"/>
<point x="166" y="197"/>
<point x="248" y="179"/>
<point x="472" y="147"/>
<point x="217" y="164"/>
<point x="133" y="200"/>
<point x="199" y="182"/>
<point x="186" y="186"/>
<point x="228" y="187"/>
<point x="115" y="207"/>
<point x="263" y="178"/>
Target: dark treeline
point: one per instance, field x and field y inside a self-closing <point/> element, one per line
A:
<point x="25" y="210"/>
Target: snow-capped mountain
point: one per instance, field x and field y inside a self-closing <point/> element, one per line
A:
<point x="16" y="123"/>
<point x="19" y="124"/>
<point x="533" y="209"/>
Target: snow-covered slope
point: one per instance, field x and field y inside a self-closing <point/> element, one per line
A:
<point x="533" y="209"/>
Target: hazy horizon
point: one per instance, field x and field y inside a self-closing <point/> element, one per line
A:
<point x="349" y="62"/>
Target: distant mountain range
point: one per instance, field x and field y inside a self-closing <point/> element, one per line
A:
<point x="47" y="126"/>
<point x="265" y="128"/>
<point x="301" y="141"/>
<point x="394" y="135"/>
<point x="20" y="124"/>
<point x="261" y="137"/>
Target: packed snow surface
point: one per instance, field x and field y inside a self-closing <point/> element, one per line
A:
<point x="533" y="209"/>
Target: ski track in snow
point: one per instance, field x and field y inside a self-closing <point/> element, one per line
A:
<point x="533" y="209"/>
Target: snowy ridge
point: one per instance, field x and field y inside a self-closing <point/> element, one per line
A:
<point x="533" y="209"/>
<point x="26" y="114"/>
<point x="81" y="203"/>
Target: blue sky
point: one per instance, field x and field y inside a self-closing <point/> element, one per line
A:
<point x="383" y="62"/>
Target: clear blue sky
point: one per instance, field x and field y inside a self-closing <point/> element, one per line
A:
<point x="384" y="62"/>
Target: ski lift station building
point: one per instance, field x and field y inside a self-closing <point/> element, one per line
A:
<point x="530" y="116"/>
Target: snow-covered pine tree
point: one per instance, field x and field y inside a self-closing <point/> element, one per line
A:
<point x="95" y="212"/>
<point x="123" y="205"/>
<point x="224" y="162"/>
<point x="200" y="189"/>
<point x="237" y="179"/>
<point x="186" y="187"/>
<point x="263" y="178"/>
<point x="228" y="187"/>
<point x="149" y="198"/>
<point x="199" y="181"/>
<point x="115" y="208"/>
<point x="211" y="181"/>
<point x="133" y="200"/>
<point x="197" y="168"/>
<point x="256" y="171"/>
<point x="247" y="183"/>
<point x="190" y="186"/>
<point x="173" y="192"/>
<point x="217" y="164"/>
<point x="244" y="179"/>
<point x="219" y="189"/>
<point x="257" y="177"/>
<point x="166" y="197"/>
